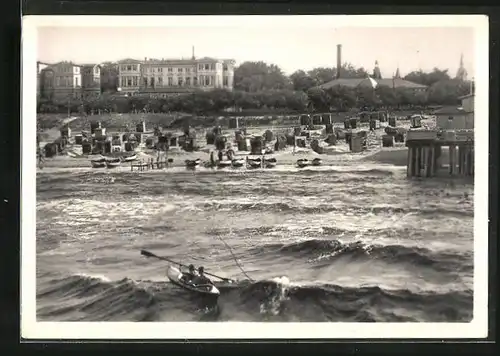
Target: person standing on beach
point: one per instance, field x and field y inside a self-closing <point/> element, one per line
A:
<point x="212" y="159"/>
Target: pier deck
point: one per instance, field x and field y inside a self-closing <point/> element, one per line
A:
<point x="425" y="152"/>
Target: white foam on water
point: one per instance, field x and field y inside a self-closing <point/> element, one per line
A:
<point x="94" y="276"/>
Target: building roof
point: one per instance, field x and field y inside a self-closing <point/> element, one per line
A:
<point x="450" y="110"/>
<point x="355" y="82"/>
<point x="128" y="61"/>
<point x="153" y="61"/>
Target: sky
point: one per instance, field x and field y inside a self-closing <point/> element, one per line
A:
<point x="291" y="47"/>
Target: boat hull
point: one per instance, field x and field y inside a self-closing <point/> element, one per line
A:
<point x="175" y="275"/>
<point x="192" y="164"/>
<point x="238" y="163"/>
<point x="113" y="164"/>
<point x="224" y="164"/>
<point x="130" y="158"/>
<point x="98" y="164"/>
<point x="302" y="164"/>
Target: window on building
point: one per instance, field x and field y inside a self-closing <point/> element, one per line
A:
<point x="188" y="70"/>
<point x="129" y="68"/>
<point x="224" y="67"/>
<point x="160" y="69"/>
<point x="160" y="81"/>
<point x="170" y="69"/>
<point x="129" y="82"/>
<point x="200" y="66"/>
<point x="170" y="81"/>
<point x="179" y="70"/>
<point x="181" y="82"/>
<point x="188" y="81"/>
<point x="135" y="81"/>
<point x="77" y="70"/>
<point x="152" y="81"/>
<point x="76" y="82"/>
<point x="207" y="66"/>
<point x="195" y="81"/>
<point x="207" y="80"/>
<point x="225" y="81"/>
<point x="145" y="80"/>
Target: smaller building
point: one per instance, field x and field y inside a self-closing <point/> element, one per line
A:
<point x="66" y="80"/>
<point x="456" y="117"/>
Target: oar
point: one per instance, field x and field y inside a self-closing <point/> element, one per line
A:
<point x="150" y="254"/>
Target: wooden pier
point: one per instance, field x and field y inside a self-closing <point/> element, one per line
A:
<point x="425" y="157"/>
<point x="151" y="164"/>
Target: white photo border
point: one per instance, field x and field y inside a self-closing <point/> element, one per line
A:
<point x="33" y="329"/>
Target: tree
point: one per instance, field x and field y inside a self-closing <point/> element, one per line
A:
<point x="319" y="99"/>
<point x="109" y="77"/>
<point x="322" y="75"/>
<point x="421" y="77"/>
<point x="349" y="71"/>
<point x="341" y="98"/>
<point x="256" y="76"/>
<point x="301" y="81"/>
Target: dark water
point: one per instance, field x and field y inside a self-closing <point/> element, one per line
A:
<point x="346" y="243"/>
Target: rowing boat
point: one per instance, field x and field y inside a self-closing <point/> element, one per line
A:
<point x="179" y="278"/>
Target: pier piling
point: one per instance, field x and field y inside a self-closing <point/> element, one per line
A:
<point x="425" y="153"/>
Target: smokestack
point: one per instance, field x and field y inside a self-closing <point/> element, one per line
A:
<point x="339" y="60"/>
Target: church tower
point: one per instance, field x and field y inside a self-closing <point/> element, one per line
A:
<point x="461" y="72"/>
<point x="397" y="75"/>
<point x="376" y="72"/>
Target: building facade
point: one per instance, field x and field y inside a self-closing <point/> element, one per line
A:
<point x="162" y="77"/>
<point x="91" y="80"/>
<point x="457" y="118"/>
<point x="65" y="80"/>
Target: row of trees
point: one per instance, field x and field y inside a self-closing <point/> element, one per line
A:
<point x="284" y="100"/>
<point x="258" y="85"/>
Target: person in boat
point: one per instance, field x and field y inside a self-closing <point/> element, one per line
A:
<point x="201" y="278"/>
<point x="190" y="274"/>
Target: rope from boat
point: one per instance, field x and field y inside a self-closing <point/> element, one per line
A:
<point x="235" y="260"/>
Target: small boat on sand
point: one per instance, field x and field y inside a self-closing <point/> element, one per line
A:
<point x="316" y="162"/>
<point x="129" y="158"/>
<point x="192" y="163"/>
<point x="98" y="163"/>
<point x="113" y="162"/>
<point x="270" y="162"/>
<point x="254" y="163"/>
<point x="303" y="162"/>
<point x="239" y="162"/>
<point x="224" y="164"/>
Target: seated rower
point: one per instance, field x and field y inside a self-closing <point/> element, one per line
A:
<point x="190" y="275"/>
<point x="201" y="278"/>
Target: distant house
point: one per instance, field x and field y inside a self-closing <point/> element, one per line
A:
<point x="457" y="118"/>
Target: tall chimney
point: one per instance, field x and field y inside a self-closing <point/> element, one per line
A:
<point x="339" y="60"/>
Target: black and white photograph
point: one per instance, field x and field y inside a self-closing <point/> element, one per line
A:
<point x="255" y="176"/>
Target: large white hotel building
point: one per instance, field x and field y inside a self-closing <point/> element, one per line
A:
<point x="160" y="77"/>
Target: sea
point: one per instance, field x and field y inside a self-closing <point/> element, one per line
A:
<point x="342" y="243"/>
